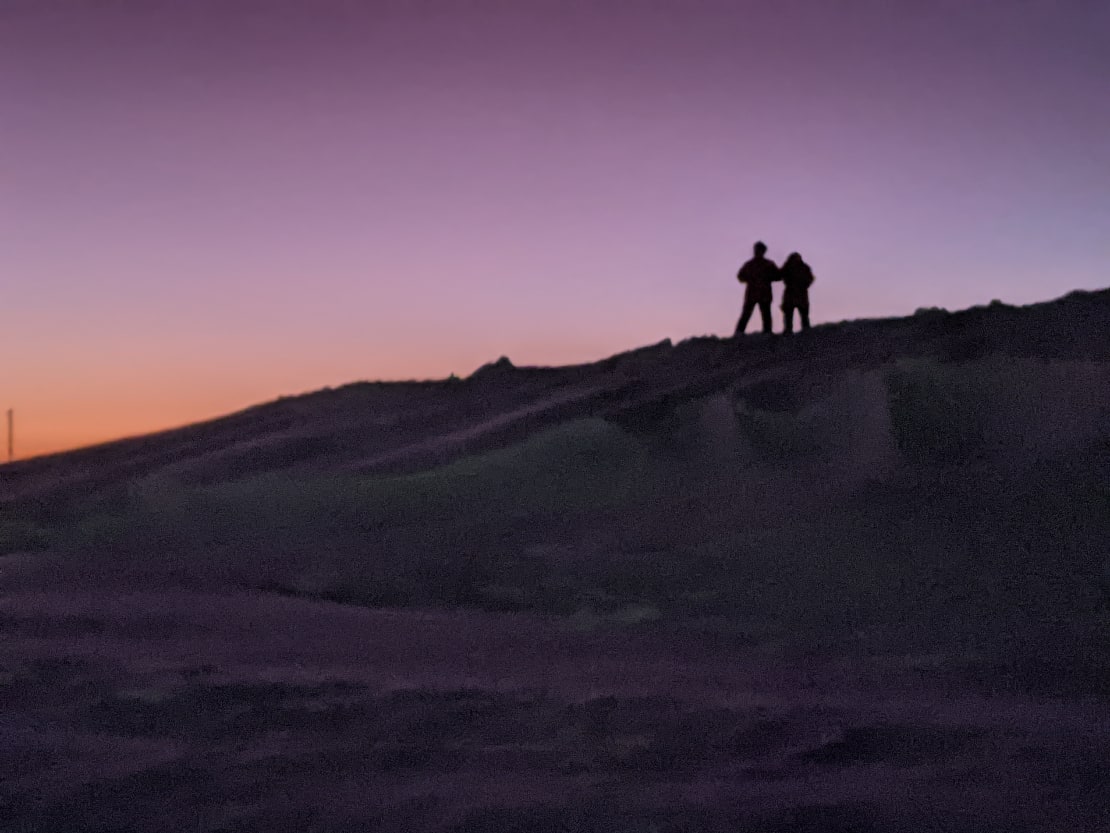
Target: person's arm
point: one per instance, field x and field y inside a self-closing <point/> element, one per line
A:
<point x="742" y="275"/>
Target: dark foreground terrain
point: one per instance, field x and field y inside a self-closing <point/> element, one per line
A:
<point x="244" y="712"/>
<point x="856" y="582"/>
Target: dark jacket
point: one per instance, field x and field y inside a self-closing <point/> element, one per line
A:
<point x="797" y="277"/>
<point x="757" y="274"/>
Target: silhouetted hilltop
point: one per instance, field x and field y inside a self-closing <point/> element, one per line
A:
<point x="407" y="426"/>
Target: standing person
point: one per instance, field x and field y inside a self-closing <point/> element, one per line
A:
<point x="796" y="278"/>
<point x="757" y="275"/>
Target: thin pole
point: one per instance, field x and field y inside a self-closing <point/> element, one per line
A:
<point x="11" y="435"/>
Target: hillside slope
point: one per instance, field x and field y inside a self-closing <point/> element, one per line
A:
<point x="939" y="480"/>
<point x="852" y="581"/>
<point x="407" y="426"/>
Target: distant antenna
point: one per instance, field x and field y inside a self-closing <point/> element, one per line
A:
<point x="11" y="435"/>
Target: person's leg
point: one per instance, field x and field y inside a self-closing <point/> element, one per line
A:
<point x="787" y="319"/>
<point x="745" y="317"/>
<point x="765" y="314"/>
<point x="803" y="311"/>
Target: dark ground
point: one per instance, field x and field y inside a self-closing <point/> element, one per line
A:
<point x="246" y="712"/>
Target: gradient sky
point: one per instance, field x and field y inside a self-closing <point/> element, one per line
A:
<point x="204" y="205"/>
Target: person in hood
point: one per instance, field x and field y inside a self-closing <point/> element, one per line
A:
<point x="797" y="277"/>
<point x="757" y="275"/>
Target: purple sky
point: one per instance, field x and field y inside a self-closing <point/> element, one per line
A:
<point x="207" y="204"/>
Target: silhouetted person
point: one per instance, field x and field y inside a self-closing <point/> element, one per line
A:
<point x="757" y="275"/>
<point x="796" y="278"/>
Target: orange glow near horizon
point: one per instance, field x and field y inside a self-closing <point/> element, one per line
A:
<point x="134" y="399"/>
<point x="115" y="405"/>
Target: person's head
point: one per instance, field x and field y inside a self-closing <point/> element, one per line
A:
<point x="760" y="248"/>
<point x="793" y="257"/>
